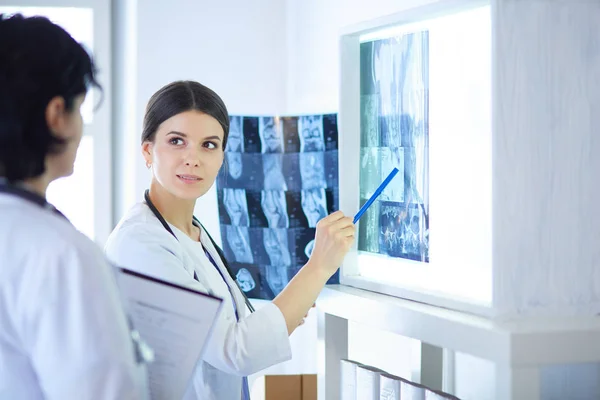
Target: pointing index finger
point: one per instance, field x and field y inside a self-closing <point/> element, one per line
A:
<point x="334" y="217"/>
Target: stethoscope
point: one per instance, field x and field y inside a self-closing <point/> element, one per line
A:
<point x="144" y="354"/>
<point x="196" y="222"/>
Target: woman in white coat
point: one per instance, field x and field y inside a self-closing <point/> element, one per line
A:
<point x="183" y="141"/>
<point x="63" y="331"/>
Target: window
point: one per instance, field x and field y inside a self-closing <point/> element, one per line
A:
<point x="74" y="195"/>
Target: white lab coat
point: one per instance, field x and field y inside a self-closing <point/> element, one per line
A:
<point x="63" y="331"/>
<point x="259" y="340"/>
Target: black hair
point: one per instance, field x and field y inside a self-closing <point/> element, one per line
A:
<point x="39" y="61"/>
<point x="182" y="96"/>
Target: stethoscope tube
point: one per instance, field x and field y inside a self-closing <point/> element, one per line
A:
<point x="164" y="223"/>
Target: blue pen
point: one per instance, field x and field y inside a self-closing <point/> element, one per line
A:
<point x="380" y="189"/>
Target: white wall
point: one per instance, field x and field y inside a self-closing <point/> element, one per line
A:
<point x="313" y="46"/>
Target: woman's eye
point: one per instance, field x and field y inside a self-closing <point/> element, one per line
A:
<point x="176" y="141"/>
<point x="210" y="145"/>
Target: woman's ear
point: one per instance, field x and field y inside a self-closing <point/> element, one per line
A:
<point x="56" y="116"/>
<point x="147" y="153"/>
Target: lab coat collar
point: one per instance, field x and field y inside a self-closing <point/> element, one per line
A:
<point x="22" y="192"/>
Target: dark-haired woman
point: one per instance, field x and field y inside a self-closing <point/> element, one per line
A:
<point x="63" y="332"/>
<point x="183" y="141"/>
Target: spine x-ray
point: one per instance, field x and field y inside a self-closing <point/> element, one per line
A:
<point x="395" y="133"/>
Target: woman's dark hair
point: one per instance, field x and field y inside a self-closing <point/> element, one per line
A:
<point x="38" y="61"/>
<point x="182" y="96"/>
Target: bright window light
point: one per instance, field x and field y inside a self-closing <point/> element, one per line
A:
<point x="74" y="195"/>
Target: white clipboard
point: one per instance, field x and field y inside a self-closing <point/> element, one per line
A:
<point x="175" y="322"/>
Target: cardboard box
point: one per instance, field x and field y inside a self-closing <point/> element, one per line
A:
<point x="309" y="387"/>
<point x="291" y="387"/>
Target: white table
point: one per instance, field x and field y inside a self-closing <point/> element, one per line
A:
<point x="518" y="348"/>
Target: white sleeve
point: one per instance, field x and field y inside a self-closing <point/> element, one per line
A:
<point x="76" y="331"/>
<point x="256" y="342"/>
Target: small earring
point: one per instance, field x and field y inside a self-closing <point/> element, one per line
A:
<point x="148" y="165"/>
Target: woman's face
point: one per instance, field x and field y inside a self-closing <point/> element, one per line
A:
<point x="186" y="154"/>
<point x="68" y="126"/>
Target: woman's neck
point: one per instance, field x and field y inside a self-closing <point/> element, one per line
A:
<point x="38" y="185"/>
<point x="178" y="212"/>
